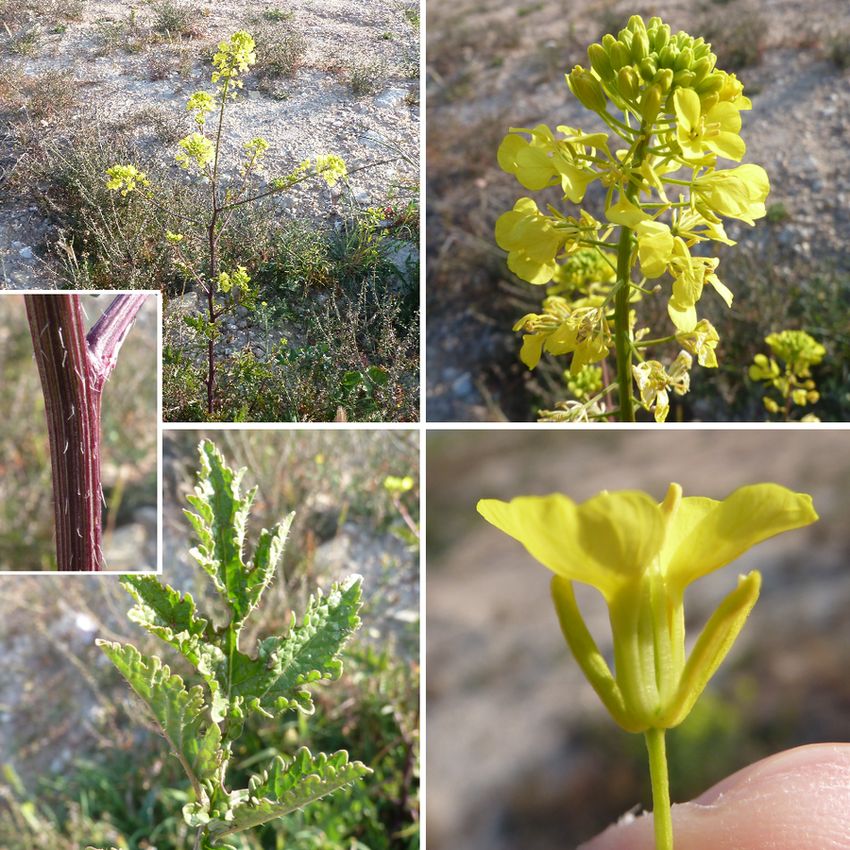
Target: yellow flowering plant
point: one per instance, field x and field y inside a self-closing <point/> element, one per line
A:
<point x="641" y="556"/>
<point x="672" y="124"/>
<point x="792" y="382"/>
<point x="200" y="154"/>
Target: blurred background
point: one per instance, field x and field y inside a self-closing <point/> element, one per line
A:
<point x="128" y="453"/>
<point x="494" y="65"/>
<point x="78" y="765"/>
<point x="521" y="753"/>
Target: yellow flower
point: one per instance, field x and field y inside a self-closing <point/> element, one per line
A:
<point x="735" y="193"/>
<point x="654" y="381"/>
<point x="641" y="555"/>
<point x="655" y="247"/>
<point x="530" y="240"/>
<point x="546" y="161"/>
<point x="717" y="129"/>
<point x="560" y="329"/>
<point x="701" y="341"/>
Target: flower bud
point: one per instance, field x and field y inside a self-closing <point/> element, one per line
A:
<point x="650" y="104"/>
<point x="640" y="46"/>
<point x="700" y="69"/>
<point x="712" y="83"/>
<point x="664" y="78"/>
<point x="619" y="56"/>
<point x="636" y="24"/>
<point x="660" y="37"/>
<point x="648" y="69"/>
<point x="628" y="83"/>
<point x="684" y="60"/>
<point x="599" y="61"/>
<point x="587" y="89"/>
<point x="608" y="41"/>
<point x="668" y="56"/>
<point x="683" y="79"/>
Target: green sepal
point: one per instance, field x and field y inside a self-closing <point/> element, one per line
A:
<point x="181" y="714"/>
<point x="587" y="653"/>
<point x="712" y="647"/>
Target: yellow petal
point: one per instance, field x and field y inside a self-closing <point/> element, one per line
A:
<point x="605" y="541"/>
<point x="687" y="106"/>
<point x="704" y="535"/>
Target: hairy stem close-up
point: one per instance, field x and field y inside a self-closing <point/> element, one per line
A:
<point x="74" y="367"/>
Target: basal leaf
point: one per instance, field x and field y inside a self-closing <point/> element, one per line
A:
<point x="308" y="653"/>
<point x="179" y="713"/>
<point x="287" y="786"/>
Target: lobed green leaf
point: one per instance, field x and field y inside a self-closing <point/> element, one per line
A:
<point x="287" y="786"/>
<point x="179" y="713"/>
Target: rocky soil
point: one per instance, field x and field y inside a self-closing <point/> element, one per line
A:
<point x="495" y="65"/>
<point x="354" y="92"/>
<point x="520" y="751"/>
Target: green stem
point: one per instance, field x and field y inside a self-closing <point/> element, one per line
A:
<point x="660" y="789"/>
<point x="622" y="343"/>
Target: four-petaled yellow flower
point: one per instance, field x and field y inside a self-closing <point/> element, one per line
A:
<point x="716" y="130"/>
<point x="641" y="555"/>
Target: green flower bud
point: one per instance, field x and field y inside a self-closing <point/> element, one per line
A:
<point x="628" y="83"/>
<point x="660" y="37"/>
<point x="587" y="89"/>
<point x="701" y="69"/>
<point x="648" y="69"/>
<point x="608" y="41"/>
<point x="668" y="56"/>
<point x="650" y="104"/>
<point x="664" y="78"/>
<point x="640" y="46"/>
<point x="684" y="79"/>
<point x="625" y="38"/>
<point x="684" y="60"/>
<point x="636" y="24"/>
<point x="599" y="61"/>
<point x="619" y="56"/>
<point x="712" y="83"/>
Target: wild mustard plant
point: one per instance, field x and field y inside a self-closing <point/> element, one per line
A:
<point x="641" y="556"/>
<point x="202" y="723"/>
<point x="672" y="119"/>
<point x="200" y="154"/>
<point x="793" y="381"/>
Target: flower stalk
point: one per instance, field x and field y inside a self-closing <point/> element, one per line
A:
<point x="73" y="367"/>
<point x="662" y="822"/>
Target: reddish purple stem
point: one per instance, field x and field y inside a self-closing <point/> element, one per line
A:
<point x="74" y="368"/>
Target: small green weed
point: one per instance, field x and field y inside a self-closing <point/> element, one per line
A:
<point x="366" y="77"/>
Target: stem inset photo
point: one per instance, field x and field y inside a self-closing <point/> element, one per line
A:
<point x="685" y="643"/>
<point x="79" y="446"/>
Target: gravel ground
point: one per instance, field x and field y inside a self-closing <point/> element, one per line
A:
<point x="315" y="111"/>
<point x="495" y="65"/>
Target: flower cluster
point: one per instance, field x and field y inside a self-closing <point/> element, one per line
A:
<point x="660" y="167"/>
<point x="799" y="352"/>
